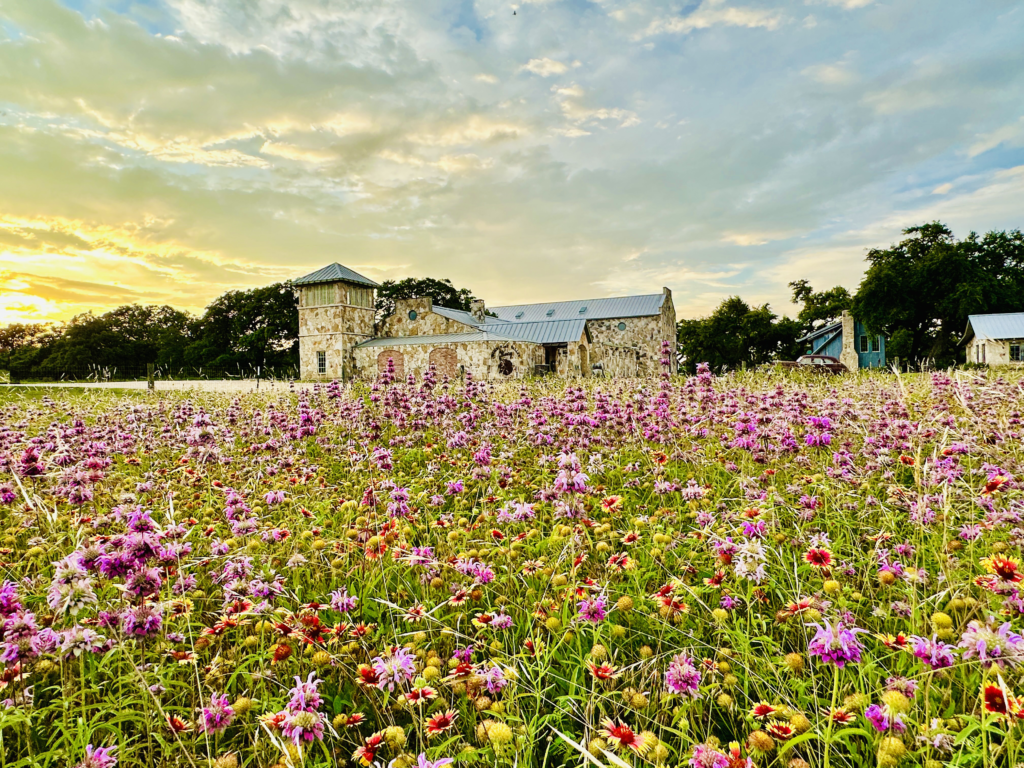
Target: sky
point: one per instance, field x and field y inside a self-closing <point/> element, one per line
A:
<point x="166" y="151"/>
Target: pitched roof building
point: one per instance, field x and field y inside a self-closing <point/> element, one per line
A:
<point x="339" y="339"/>
<point x="995" y="339"/>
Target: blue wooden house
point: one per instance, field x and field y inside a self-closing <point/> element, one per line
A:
<point x="848" y="341"/>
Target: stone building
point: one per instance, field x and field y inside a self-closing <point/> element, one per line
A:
<point x="613" y="337"/>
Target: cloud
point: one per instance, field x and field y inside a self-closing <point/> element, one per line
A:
<point x="213" y="146"/>
<point x="712" y="14"/>
<point x="1011" y="135"/>
<point x="545" y="67"/>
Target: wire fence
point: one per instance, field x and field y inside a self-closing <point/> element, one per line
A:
<point x="144" y="372"/>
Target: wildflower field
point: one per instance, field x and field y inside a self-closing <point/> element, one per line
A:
<point x="763" y="569"/>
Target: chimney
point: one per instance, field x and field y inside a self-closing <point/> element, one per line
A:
<point x="476" y="308"/>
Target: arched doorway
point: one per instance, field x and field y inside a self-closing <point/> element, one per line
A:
<point x="445" y="361"/>
<point x="390" y="354"/>
<point x="584" y="361"/>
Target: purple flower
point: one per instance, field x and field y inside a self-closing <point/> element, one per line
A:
<point x="1000" y="647"/>
<point x="882" y="719"/>
<point x="274" y="497"/>
<point x="143" y="621"/>
<point x="397" y="668"/>
<point x="933" y="652"/>
<point x="342" y="602"/>
<point x="305" y="694"/>
<point x="836" y="644"/>
<point x="682" y="676"/>
<point x="423" y="762"/>
<point x="705" y="756"/>
<point x="494" y="679"/>
<point x="594" y="610"/>
<point x="98" y="757"/>
<point x="218" y="716"/>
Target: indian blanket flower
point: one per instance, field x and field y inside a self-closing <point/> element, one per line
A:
<point x="441" y="722"/>
<point x="836" y="644"/>
<point x="621" y="736"/>
<point x="682" y="676"/>
<point x="992" y="645"/>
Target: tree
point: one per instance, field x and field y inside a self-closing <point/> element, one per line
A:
<point x="247" y="330"/>
<point x="821" y="308"/>
<point x="441" y="292"/>
<point x="736" y="333"/>
<point x="23" y="338"/>
<point x="919" y="292"/>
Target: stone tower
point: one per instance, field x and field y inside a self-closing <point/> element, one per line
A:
<point x="335" y="314"/>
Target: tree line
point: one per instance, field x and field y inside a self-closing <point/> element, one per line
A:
<point x="240" y="332"/>
<point x="917" y="293"/>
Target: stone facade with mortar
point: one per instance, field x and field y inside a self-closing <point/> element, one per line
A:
<point x="337" y="337"/>
<point x="331" y="329"/>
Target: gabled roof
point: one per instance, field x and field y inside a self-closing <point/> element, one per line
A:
<point x="830" y="328"/>
<point x="333" y="273"/>
<point x="587" y="309"/>
<point x="1008" y="325"/>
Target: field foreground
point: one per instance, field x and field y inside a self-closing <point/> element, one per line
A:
<point x="762" y="569"/>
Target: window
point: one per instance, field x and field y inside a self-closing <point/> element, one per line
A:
<point x="1015" y="353"/>
<point x="863" y="343"/>
<point x="321" y="295"/>
<point x="983" y="353"/>
<point x="321" y="363"/>
<point x="621" y="326"/>
<point x="360" y="297"/>
<point x="412" y="314"/>
<point x="878" y="344"/>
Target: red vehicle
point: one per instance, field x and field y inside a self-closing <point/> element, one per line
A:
<point x="819" y="363"/>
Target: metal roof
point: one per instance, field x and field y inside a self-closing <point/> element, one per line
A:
<point x="535" y="333"/>
<point x="821" y="331"/>
<point x="595" y="309"/>
<point x="462" y="316"/>
<point x="557" y="332"/>
<point x="1009" y="325"/>
<point x="403" y="341"/>
<point x="332" y="273"/>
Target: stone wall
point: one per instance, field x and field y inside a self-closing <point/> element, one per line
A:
<point x="484" y="359"/>
<point x="848" y="355"/>
<point x="427" y="322"/>
<point x="631" y="346"/>
<point x="333" y="329"/>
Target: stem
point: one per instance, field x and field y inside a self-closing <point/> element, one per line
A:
<point x="831" y="711"/>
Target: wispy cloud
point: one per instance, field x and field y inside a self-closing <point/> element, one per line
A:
<point x="168" y="153"/>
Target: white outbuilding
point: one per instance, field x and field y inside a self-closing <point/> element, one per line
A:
<point x="995" y="339"/>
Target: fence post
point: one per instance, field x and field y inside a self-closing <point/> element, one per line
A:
<point x="150" y="384"/>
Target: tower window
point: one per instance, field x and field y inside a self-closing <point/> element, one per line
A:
<point x="621" y="326"/>
<point x="412" y="314"/>
<point x="321" y="363"/>
<point x="321" y="295"/>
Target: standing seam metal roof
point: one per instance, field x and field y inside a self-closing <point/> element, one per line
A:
<point x="1008" y="325"/>
<point x="596" y="309"/>
<point x="562" y="332"/>
<point x="332" y="273"/>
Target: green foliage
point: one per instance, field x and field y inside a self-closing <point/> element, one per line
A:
<point x="736" y="334"/>
<point x="441" y="292"/>
<point x="258" y="328"/>
<point x="819" y="308"/>
<point x="919" y="292"/>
